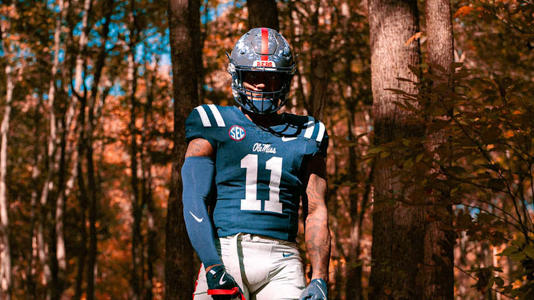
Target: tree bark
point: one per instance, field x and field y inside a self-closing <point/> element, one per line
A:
<point x="83" y="200"/>
<point x="54" y="290"/>
<point x="5" y="248"/>
<point x="31" y="272"/>
<point x="94" y="188"/>
<point x="152" y="234"/>
<point x="320" y="66"/>
<point x="136" y="249"/>
<point x="439" y="239"/>
<point x="397" y="249"/>
<point x="184" y="22"/>
<point x="63" y="180"/>
<point x="263" y="13"/>
<point x="353" y="288"/>
<point x="78" y="158"/>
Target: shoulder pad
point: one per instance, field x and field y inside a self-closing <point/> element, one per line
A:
<point x="210" y="116"/>
<point x="315" y="129"/>
<point x="201" y="120"/>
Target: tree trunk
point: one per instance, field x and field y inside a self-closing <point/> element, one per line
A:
<point x="439" y="239"/>
<point x="93" y="206"/>
<point x="5" y="249"/>
<point x="31" y="272"/>
<point x="87" y="5"/>
<point x="353" y="288"/>
<point x="320" y="66"/>
<point x="263" y="13"/>
<point x="94" y="188"/>
<point x="78" y="158"/>
<point x="397" y="249"/>
<point x="54" y="290"/>
<point x="295" y="40"/>
<point x="152" y="234"/>
<point x="136" y="249"/>
<point x="84" y="200"/>
<point x="184" y="23"/>
<point x="63" y="172"/>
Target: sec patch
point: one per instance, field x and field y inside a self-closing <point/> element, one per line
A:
<point x="237" y="133"/>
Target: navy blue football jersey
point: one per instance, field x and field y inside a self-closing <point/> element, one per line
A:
<point x="259" y="172"/>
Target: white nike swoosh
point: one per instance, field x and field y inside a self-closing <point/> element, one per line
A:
<point x="221" y="282"/>
<point x="287" y="139"/>
<point x="199" y="220"/>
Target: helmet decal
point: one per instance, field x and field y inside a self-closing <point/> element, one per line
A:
<point x="264" y="64"/>
<point x="264" y="44"/>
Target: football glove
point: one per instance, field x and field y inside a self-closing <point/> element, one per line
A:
<point x="222" y="285"/>
<point x="316" y="290"/>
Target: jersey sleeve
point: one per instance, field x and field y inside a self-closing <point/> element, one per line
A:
<point x="315" y="132"/>
<point x="202" y="122"/>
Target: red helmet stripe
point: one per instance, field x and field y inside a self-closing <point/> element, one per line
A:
<point x="264" y="43"/>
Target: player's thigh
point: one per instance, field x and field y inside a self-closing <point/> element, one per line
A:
<point x="279" y="291"/>
<point x="201" y="286"/>
<point x="288" y="283"/>
<point x="231" y="263"/>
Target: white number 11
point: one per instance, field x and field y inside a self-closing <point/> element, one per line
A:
<point x="251" y="202"/>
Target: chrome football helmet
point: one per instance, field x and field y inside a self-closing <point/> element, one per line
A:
<point x="261" y="65"/>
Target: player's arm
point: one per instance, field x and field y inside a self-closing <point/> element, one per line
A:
<point x="197" y="177"/>
<point x="198" y="172"/>
<point x="317" y="234"/>
<point x="199" y="147"/>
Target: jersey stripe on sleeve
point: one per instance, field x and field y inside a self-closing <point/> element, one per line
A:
<point x="203" y="116"/>
<point x="309" y="130"/>
<point x="217" y="115"/>
<point x="320" y="135"/>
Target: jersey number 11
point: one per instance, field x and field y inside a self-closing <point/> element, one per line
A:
<point x="251" y="202"/>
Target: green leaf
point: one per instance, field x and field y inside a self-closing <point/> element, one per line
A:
<point x="419" y="157"/>
<point x="518" y="256"/>
<point x="375" y="150"/>
<point x="508" y="251"/>
<point x="499" y="281"/>
<point x="456" y="170"/>
<point x="408" y="164"/>
<point x="529" y="250"/>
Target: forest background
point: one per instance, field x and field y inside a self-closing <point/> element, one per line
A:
<point x="439" y="158"/>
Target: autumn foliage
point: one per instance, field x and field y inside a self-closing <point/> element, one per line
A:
<point x="89" y="143"/>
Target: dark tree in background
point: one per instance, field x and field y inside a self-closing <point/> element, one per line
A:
<point x="397" y="249"/>
<point x="263" y="13"/>
<point x="93" y="185"/>
<point x="439" y="238"/>
<point x="184" y="24"/>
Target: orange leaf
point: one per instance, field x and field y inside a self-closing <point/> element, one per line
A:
<point x="414" y="37"/>
<point x="508" y="134"/>
<point x="462" y="11"/>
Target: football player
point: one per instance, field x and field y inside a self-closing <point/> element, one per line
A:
<point x="246" y="169"/>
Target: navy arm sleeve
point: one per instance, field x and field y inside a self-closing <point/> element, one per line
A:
<point x="197" y="178"/>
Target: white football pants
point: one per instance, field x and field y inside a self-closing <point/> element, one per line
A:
<point x="265" y="268"/>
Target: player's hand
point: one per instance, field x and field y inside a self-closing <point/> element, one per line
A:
<point x="316" y="290"/>
<point x="221" y="285"/>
